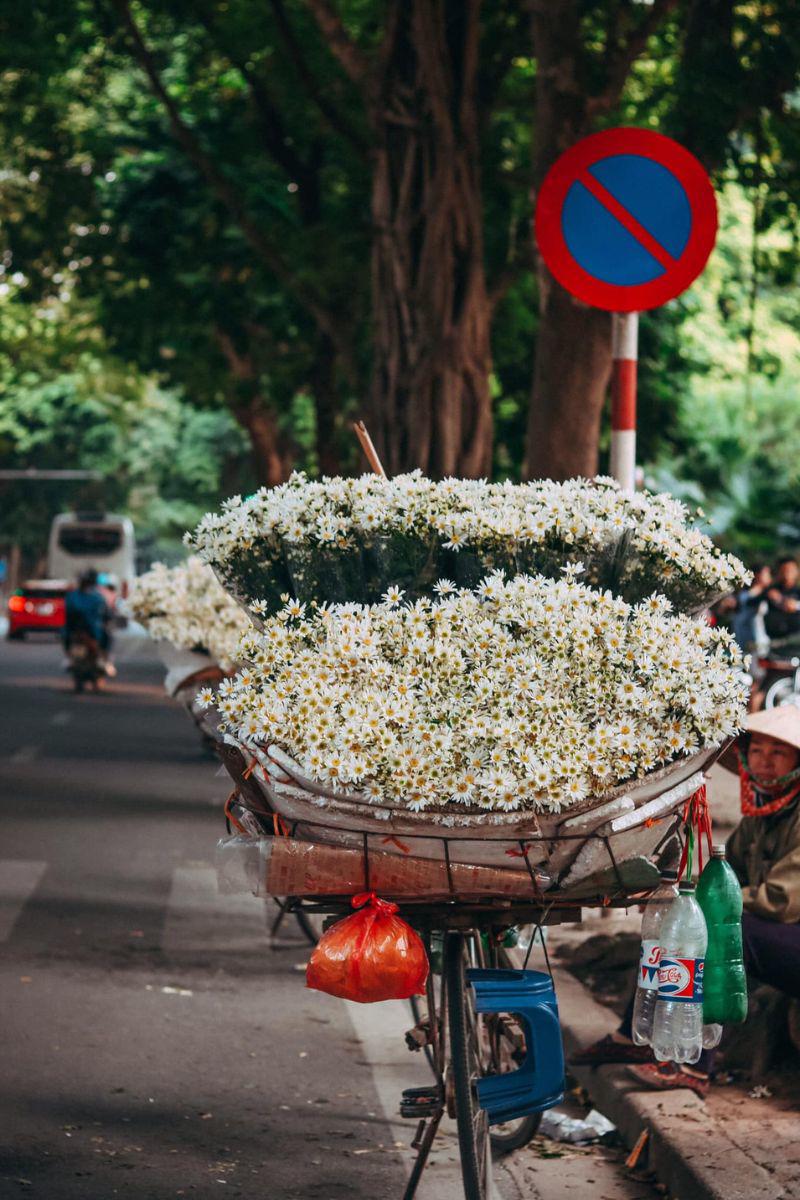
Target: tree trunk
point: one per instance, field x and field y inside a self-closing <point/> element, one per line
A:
<point x="271" y="454"/>
<point x="270" y="458"/>
<point x="430" y="398"/>
<point x="573" y="344"/>
<point x="570" y="381"/>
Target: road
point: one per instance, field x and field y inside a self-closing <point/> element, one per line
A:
<point x="153" y="1044"/>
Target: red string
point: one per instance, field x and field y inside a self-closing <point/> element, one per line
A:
<point x="393" y="841"/>
<point x="234" y="796"/>
<point x="696" y="817"/>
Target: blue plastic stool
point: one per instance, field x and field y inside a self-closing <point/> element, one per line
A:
<point x="539" y="1082"/>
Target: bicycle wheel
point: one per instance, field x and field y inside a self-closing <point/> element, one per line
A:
<point x="465" y="1056"/>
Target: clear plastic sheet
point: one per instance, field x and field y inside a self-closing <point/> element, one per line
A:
<point x="404" y="560"/>
<point x="363" y="571"/>
<point x="282" y="866"/>
<point x="467" y="567"/>
<point x="257" y="574"/>
<point x="326" y="574"/>
<point x="580" y="1131"/>
<point x="239" y="862"/>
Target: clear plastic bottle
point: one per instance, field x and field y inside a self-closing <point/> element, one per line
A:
<point x="712" y="1036"/>
<point x="644" y="1005"/>
<point x="678" y="1023"/>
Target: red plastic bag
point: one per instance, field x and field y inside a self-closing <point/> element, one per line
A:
<point x="371" y="955"/>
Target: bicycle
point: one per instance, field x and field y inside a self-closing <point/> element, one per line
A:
<point x="310" y="924"/>
<point x="479" y="1046"/>
<point x="461" y="1045"/>
<point x="468" y="1036"/>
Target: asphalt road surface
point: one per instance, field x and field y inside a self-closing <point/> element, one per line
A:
<point x="153" y="1045"/>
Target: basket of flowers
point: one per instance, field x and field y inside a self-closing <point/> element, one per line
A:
<point x="351" y="540"/>
<point x="195" y="624"/>
<point x="540" y="729"/>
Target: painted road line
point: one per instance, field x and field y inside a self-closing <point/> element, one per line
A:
<point x="19" y="879"/>
<point x="199" y="918"/>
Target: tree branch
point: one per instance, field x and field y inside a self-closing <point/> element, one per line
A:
<point x="520" y="260"/>
<point x="332" y="114"/>
<point x="623" y="57"/>
<point x="271" y="122"/>
<point x="225" y="191"/>
<point x="354" y="63"/>
<point x="503" y="282"/>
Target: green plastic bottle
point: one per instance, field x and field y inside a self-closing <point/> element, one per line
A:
<point x="724" y="982"/>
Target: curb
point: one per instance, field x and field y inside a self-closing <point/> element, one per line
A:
<point x="689" y="1152"/>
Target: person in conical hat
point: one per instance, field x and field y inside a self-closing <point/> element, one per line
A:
<point x="764" y="851"/>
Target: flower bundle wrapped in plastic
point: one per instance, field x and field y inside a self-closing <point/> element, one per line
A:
<point x="349" y="540"/>
<point x="526" y="693"/>
<point x="187" y="606"/>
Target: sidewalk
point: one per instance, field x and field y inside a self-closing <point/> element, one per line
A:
<point x="693" y="1155"/>
<point x="730" y="1146"/>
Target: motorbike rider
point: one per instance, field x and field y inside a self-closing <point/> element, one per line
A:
<point x="88" y="613"/>
<point x="782" y="620"/>
<point x="749" y="602"/>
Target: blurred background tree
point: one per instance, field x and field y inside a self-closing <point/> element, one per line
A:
<point x="275" y="217"/>
<point x="65" y="400"/>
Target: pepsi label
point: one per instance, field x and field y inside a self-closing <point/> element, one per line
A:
<point x="681" y="979"/>
<point x="649" y="959"/>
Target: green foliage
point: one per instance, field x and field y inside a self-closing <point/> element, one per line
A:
<point x="153" y="311"/>
<point x="65" y="401"/>
<point x="734" y="446"/>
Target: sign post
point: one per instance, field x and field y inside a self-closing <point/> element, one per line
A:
<point x="624" y="352"/>
<point x="625" y="221"/>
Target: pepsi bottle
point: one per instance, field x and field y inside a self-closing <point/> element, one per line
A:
<point x="678" y="1022"/>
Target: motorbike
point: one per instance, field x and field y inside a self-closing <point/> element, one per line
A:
<point x="85" y="662"/>
<point x="775" y="665"/>
<point x="781" y="680"/>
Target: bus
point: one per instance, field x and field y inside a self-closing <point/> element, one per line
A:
<point x="80" y="541"/>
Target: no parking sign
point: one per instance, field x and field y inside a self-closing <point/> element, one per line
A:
<point x="626" y="220"/>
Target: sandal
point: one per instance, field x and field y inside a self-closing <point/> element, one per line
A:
<point x="609" y="1051"/>
<point x="667" y="1076"/>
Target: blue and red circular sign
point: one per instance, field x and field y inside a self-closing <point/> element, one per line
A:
<point x="626" y="219"/>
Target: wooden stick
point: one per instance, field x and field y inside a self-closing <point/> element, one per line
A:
<point x="368" y="448"/>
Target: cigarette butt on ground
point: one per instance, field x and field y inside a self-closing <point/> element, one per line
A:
<point x="636" y="1152"/>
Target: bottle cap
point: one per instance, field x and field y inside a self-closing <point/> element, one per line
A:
<point x="718" y="850"/>
<point x="686" y="885"/>
<point x="670" y="874"/>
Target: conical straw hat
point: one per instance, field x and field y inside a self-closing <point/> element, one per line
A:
<point x="782" y="723"/>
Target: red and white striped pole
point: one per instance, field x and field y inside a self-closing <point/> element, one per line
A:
<point x="624" y="350"/>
